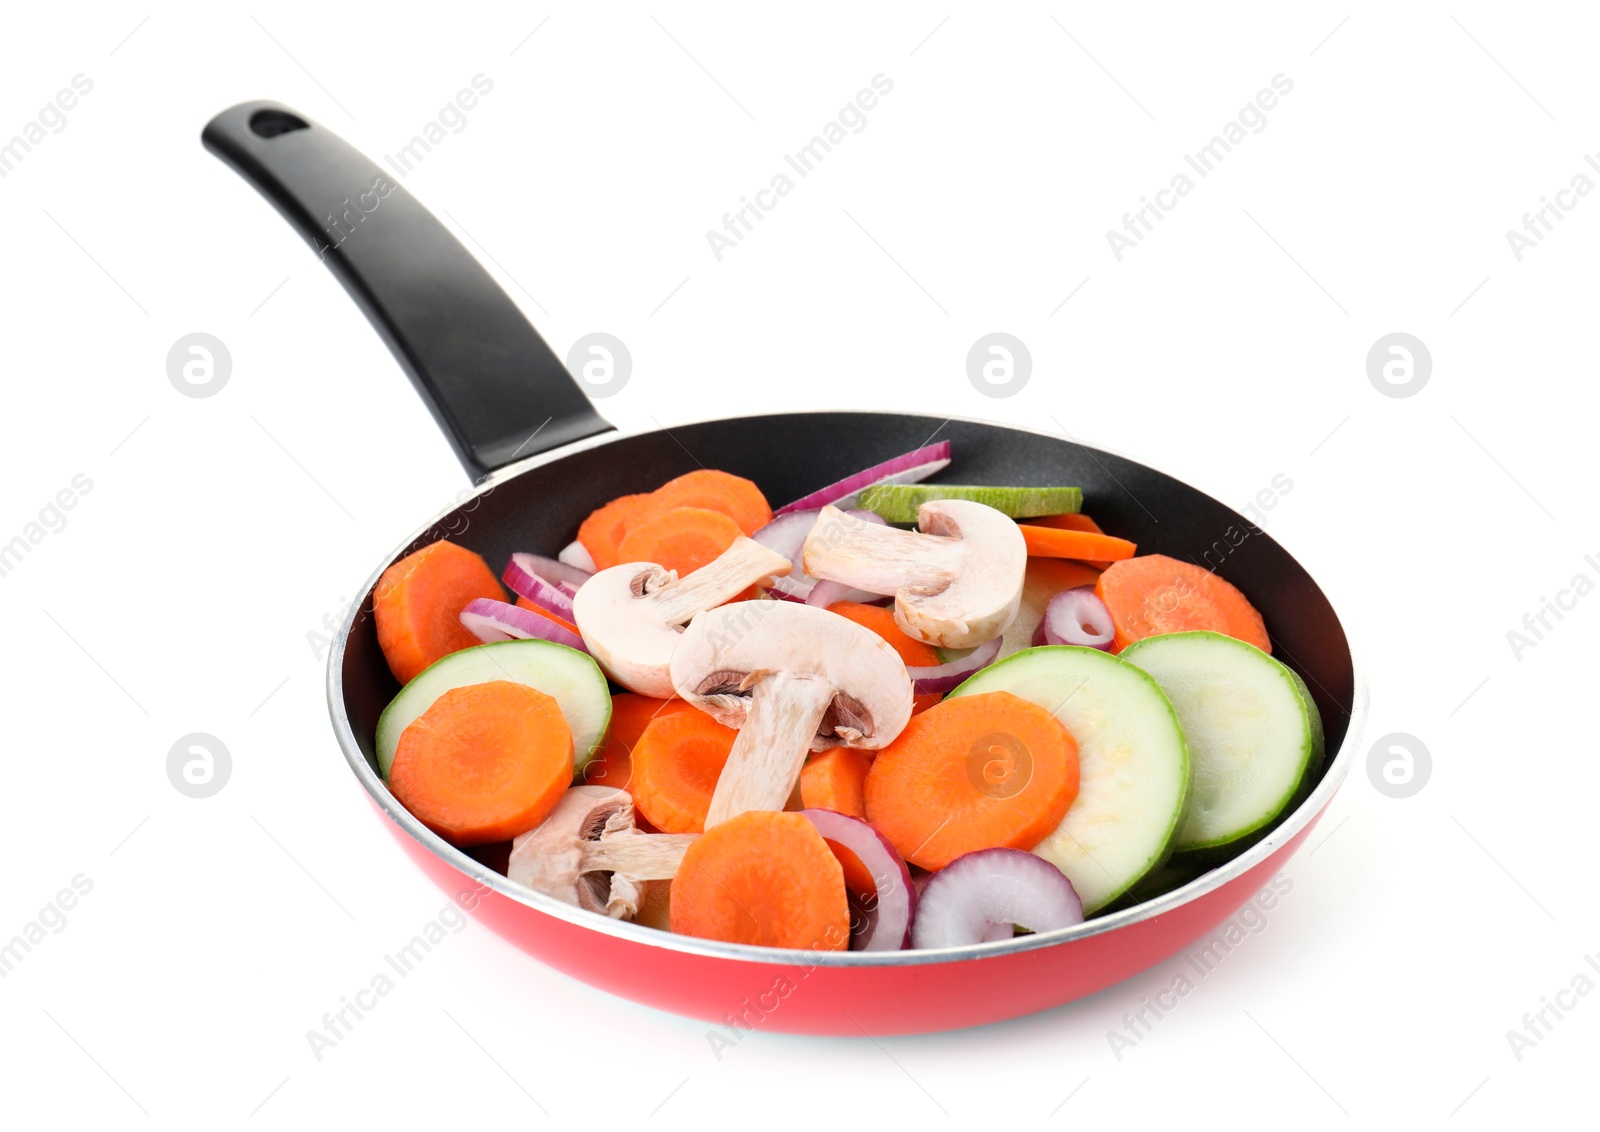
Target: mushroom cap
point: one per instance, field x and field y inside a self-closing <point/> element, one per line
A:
<point x="613" y="613"/>
<point x="983" y="597"/>
<point x="631" y="616"/>
<point x="727" y="651"/>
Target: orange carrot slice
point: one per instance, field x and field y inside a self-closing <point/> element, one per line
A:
<point x="603" y="531"/>
<point x="915" y="653"/>
<point x="977" y="772"/>
<point x="734" y="496"/>
<point x="1155" y="594"/>
<point x="631" y="713"/>
<point x="1048" y="542"/>
<point x="833" y="780"/>
<point x="682" y="539"/>
<point x="676" y="763"/>
<point x="417" y="605"/>
<point x="922" y="701"/>
<point x="484" y="763"/>
<point x="762" y="878"/>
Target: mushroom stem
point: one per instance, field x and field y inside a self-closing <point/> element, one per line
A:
<point x="743" y="564"/>
<point x="957" y="582"/>
<point x="784" y="715"/>
<point x="843" y="548"/>
<point x="638" y="856"/>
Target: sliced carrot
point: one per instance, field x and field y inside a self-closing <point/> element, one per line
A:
<point x="631" y="713"/>
<point x="1075" y="521"/>
<point x="922" y="701"/>
<point x="602" y="532"/>
<point x="1155" y="594"/>
<point x="682" y="539"/>
<point x="1048" y="542"/>
<point x="1050" y="576"/>
<point x="676" y="763"/>
<point x="832" y="780"/>
<point x="762" y="878"/>
<point x="734" y="496"/>
<point x="531" y="607"/>
<point x="977" y="772"/>
<point x="417" y="605"/>
<point x="484" y="763"/>
<point x="915" y="653"/>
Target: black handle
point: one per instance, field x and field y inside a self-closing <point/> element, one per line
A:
<point x="491" y="382"/>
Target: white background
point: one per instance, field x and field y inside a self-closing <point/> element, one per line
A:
<point x="1227" y="348"/>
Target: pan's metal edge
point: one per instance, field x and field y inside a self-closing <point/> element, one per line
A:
<point x="1304" y="814"/>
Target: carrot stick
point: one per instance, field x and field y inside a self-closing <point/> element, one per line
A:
<point x="631" y="713"/>
<point x="1155" y="594"/>
<point x="602" y="532"/>
<point x="1074" y="521"/>
<point x="762" y="878"/>
<point x="682" y="539"/>
<point x="734" y="496"/>
<point x="977" y="772"/>
<point x="532" y="607"/>
<point x="1048" y="542"/>
<point x="417" y="605"/>
<point x="676" y="763"/>
<point x="922" y="701"/>
<point x="1077" y="521"/>
<point x="915" y="653"/>
<point x="484" y="763"/>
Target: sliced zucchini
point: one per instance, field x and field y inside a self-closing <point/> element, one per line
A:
<point x="899" y="503"/>
<point x="1133" y="764"/>
<point x="572" y="678"/>
<point x="1253" y="732"/>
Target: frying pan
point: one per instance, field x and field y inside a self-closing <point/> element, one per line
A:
<point x="543" y="458"/>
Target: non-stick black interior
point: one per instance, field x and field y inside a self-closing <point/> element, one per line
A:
<point x="791" y="454"/>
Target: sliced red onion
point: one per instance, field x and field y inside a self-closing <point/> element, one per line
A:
<point x="913" y="467"/>
<point x="491" y="621"/>
<point x="943" y="677"/>
<point x="980" y="896"/>
<point x="576" y="555"/>
<point x="1076" y="617"/>
<point x="895" y="904"/>
<point x="526" y="581"/>
<point x="554" y="570"/>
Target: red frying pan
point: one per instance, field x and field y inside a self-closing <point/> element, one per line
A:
<point x="543" y="459"/>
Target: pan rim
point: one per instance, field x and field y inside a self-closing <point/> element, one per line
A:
<point x="1303" y="815"/>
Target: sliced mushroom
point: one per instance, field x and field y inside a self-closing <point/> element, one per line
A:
<point x="957" y="582"/>
<point x="792" y="679"/>
<point x="588" y="853"/>
<point x="632" y="615"/>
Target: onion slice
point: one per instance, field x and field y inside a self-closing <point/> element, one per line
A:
<point x="979" y="896"/>
<point x="913" y="467"/>
<point x="576" y="555"/>
<point x="527" y="581"/>
<point x="894" y="906"/>
<point x="1076" y="617"/>
<point x="943" y="677"/>
<point x="492" y="621"/>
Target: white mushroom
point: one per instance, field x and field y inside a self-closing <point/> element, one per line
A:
<point x="632" y="615"/>
<point x="957" y="582"/>
<point x="792" y="679"/>
<point x="588" y="853"/>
